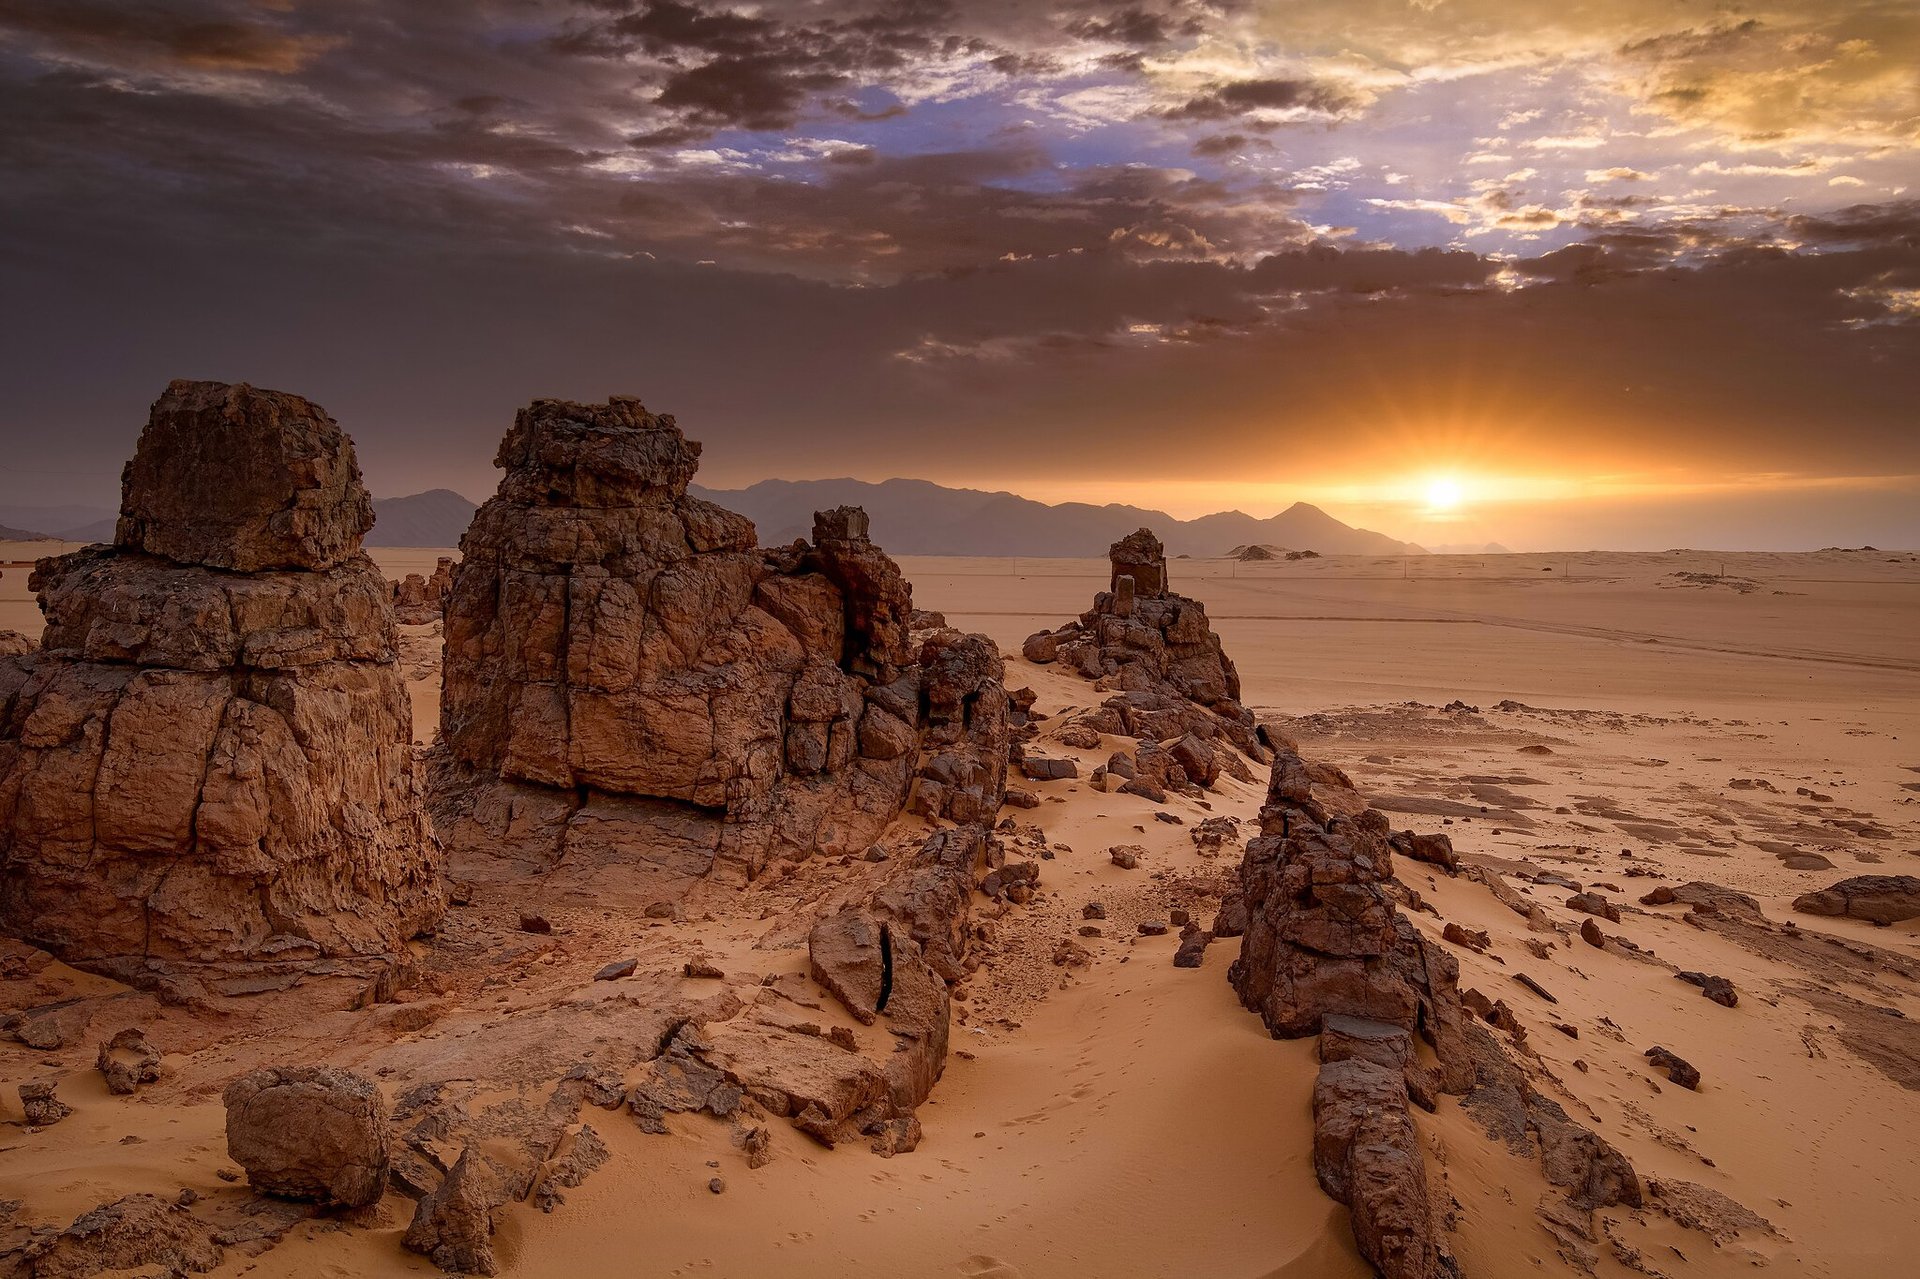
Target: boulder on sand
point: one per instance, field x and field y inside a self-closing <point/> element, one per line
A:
<point x="309" y="1132"/>
<point x="1878" y="899"/>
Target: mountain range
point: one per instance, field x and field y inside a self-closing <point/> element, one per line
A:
<point x="917" y="517"/>
<point x="909" y="517"/>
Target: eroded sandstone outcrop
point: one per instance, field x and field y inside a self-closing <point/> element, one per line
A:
<point x="1878" y="899"/>
<point x="1174" y="688"/>
<point x="207" y="762"/>
<point x="417" y="599"/>
<point x="621" y="655"/>
<point x="887" y="959"/>
<point x="1326" y="950"/>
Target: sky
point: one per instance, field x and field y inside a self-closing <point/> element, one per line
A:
<point x="1636" y="274"/>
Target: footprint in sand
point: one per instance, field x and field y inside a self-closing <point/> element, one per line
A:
<point x="983" y="1267"/>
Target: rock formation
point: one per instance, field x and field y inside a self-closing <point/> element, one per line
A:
<point x="207" y="764"/>
<point x="1323" y="935"/>
<point x="620" y="655"/>
<point x="1325" y="950"/>
<point x="1878" y="899"/>
<point x="417" y="600"/>
<point x="1173" y="683"/>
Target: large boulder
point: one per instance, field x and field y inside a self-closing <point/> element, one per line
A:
<point x="1878" y="899"/>
<point x="611" y="637"/>
<point x="209" y="760"/>
<point x="309" y="1132"/>
<point x="235" y="477"/>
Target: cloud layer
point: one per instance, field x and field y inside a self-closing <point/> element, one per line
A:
<point x="1308" y="237"/>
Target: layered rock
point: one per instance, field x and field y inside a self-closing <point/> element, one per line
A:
<point x="208" y="761"/>
<point x="1173" y="682"/>
<point x="619" y="653"/>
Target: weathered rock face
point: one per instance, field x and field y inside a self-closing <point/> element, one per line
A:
<point x="1325" y="950"/>
<point x="1323" y="937"/>
<point x="309" y="1132"/>
<point x="208" y="761"/>
<point x="1174" y="682"/>
<point x="613" y="641"/>
<point x="417" y="600"/>
<point x="1878" y="899"/>
<point x="239" y="478"/>
<point x="1366" y="1154"/>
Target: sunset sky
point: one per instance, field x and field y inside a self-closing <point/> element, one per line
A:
<point x="1636" y="274"/>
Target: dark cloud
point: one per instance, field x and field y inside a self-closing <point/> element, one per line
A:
<point x="1139" y="28"/>
<point x="1225" y="144"/>
<point x="161" y="34"/>
<point x="424" y="214"/>
<point x="1896" y="223"/>
<point x="1239" y="98"/>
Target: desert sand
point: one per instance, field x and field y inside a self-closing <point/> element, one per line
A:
<point x="1614" y="723"/>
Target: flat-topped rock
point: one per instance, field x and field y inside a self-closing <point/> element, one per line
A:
<point x="240" y="478"/>
<point x="1878" y="899"/>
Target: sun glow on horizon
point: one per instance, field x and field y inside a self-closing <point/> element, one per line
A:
<point x="1444" y="493"/>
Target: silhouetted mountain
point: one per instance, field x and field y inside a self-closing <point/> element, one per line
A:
<point x="10" y="534"/>
<point x="64" y="522"/>
<point x="917" y="517"/>
<point x="438" y="517"/>
<point x="1470" y="548"/>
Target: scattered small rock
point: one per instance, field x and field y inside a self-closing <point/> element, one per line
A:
<point x="1719" y="989"/>
<point x="1679" y="1069"/>
<point x="128" y="1060"/>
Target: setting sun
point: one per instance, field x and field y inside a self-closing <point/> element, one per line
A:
<point x="1443" y="494"/>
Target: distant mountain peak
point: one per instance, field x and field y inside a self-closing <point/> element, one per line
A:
<point x="919" y="517"/>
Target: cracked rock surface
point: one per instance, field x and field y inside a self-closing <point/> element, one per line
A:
<point x="205" y="768"/>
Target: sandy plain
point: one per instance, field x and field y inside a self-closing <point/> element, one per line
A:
<point x="1620" y="725"/>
